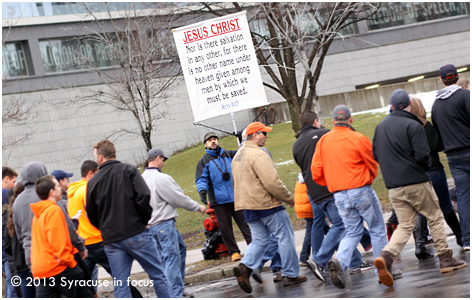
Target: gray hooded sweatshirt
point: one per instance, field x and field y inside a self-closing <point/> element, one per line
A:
<point x="22" y="214"/>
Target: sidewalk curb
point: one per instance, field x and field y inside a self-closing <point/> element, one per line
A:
<point x="214" y="275"/>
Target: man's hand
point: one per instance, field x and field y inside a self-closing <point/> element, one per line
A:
<point x="202" y="209"/>
<point x="203" y="197"/>
<point x="77" y="215"/>
<point x="84" y="254"/>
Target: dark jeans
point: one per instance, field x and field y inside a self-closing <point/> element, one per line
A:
<point x="29" y="291"/>
<point x="306" y="246"/>
<point x="460" y="170"/>
<point x="224" y="215"/>
<point x="365" y="240"/>
<point x="52" y="287"/>
<point x="439" y="180"/>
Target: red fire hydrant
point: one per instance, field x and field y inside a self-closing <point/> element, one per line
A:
<point x="211" y="224"/>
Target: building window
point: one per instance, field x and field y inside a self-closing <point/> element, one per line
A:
<point x="162" y="43"/>
<point x="391" y="14"/>
<point x="13" y="60"/>
<point x="75" y="54"/>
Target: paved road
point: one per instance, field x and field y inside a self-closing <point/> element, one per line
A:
<point x="421" y="279"/>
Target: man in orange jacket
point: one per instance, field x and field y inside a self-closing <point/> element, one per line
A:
<point x="344" y="162"/>
<point x="52" y="253"/>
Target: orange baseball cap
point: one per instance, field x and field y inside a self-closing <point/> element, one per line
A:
<point x="255" y="127"/>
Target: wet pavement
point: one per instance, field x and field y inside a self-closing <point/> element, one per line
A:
<point x="421" y="279"/>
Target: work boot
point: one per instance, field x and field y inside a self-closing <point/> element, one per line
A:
<point x="257" y="276"/>
<point x="243" y="274"/>
<point x="337" y="274"/>
<point x="448" y="263"/>
<point x="293" y="280"/>
<point x="453" y="223"/>
<point x="383" y="263"/>
<point x="235" y="256"/>
<point x="420" y="239"/>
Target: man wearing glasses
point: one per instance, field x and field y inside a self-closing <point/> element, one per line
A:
<point x="259" y="193"/>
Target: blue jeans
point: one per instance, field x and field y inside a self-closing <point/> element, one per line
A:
<point x="29" y="291"/>
<point x="439" y="181"/>
<point x="279" y="225"/>
<point x="183" y="255"/>
<point x="272" y="254"/>
<point x="333" y="237"/>
<point x="317" y="231"/>
<point x="306" y="247"/>
<point x="460" y="170"/>
<point x="356" y="206"/>
<point x="143" y="248"/>
<point x="167" y="241"/>
<point x="9" y="288"/>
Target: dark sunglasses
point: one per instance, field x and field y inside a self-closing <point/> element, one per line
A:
<point x="264" y="133"/>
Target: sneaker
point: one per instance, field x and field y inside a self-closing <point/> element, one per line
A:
<point x="316" y="269"/>
<point x="337" y="274"/>
<point x="257" y="276"/>
<point x="363" y="267"/>
<point x="303" y="264"/>
<point x="396" y="274"/>
<point x="278" y="276"/>
<point x="448" y="263"/>
<point x="235" y="256"/>
<point x="368" y="248"/>
<point x="466" y="248"/>
<point x="429" y="241"/>
<point x="241" y="272"/>
<point x="293" y="280"/>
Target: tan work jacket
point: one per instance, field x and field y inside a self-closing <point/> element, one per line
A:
<point x="257" y="185"/>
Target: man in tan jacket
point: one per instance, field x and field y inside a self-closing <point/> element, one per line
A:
<point x="259" y="193"/>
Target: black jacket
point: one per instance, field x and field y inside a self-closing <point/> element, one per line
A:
<point x="435" y="146"/>
<point x="451" y="118"/>
<point x="401" y="148"/>
<point x="118" y="201"/>
<point x="303" y="150"/>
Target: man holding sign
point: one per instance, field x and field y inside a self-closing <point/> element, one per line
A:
<point x="213" y="178"/>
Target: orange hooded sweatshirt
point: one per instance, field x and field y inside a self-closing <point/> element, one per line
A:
<point x="76" y="200"/>
<point x="51" y="249"/>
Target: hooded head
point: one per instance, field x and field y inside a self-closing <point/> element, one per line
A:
<point x="32" y="171"/>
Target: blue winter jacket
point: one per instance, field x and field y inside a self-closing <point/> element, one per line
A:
<point x="209" y="176"/>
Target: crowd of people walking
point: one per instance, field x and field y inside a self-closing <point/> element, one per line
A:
<point x="55" y="231"/>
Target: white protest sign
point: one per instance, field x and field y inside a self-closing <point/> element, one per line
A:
<point x="220" y="66"/>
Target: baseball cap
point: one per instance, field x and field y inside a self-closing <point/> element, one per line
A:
<point x="255" y="127"/>
<point x="341" y="112"/>
<point x="448" y="72"/>
<point x="60" y="174"/>
<point x="399" y="99"/>
<point x="155" y="152"/>
<point x="208" y="136"/>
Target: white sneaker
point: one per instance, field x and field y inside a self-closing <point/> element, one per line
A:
<point x="467" y="248"/>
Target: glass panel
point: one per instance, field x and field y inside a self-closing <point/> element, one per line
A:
<point x="391" y="14"/>
<point x="66" y="55"/>
<point x="13" y="60"/>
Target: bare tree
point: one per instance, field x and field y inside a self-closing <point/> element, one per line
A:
<point x="17" y="110"/>
<point x="286" y="34"/>
<point x="137" y="40"/>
